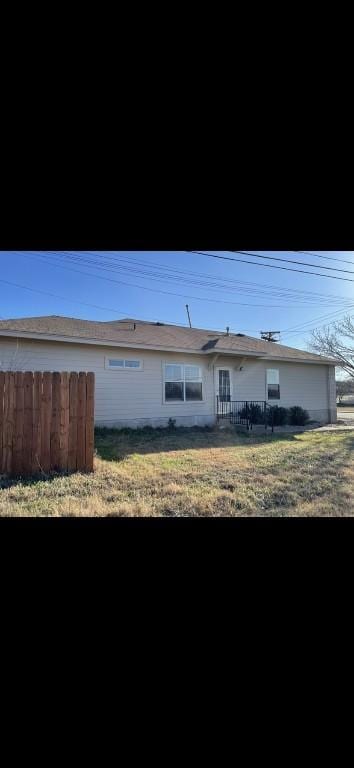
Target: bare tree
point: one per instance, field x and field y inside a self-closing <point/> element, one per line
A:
<point x="344" y="387"/>
<point x="336" y="340"/>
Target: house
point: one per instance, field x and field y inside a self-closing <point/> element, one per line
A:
<point x="147" y="373"/>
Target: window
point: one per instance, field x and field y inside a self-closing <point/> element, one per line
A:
<point x="182" y="382"/>
<point x="120" y="364"/>
<point x="273" y="388"/>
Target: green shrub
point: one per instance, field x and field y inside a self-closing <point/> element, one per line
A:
<point x="277" y="415"/>
<point x="253" y="412"/>
<point x="298" y="416"/>
<point x="171" y="424"/>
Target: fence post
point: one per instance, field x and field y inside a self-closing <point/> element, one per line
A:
<point x="36" y="422"/>
<point x="81" y="422"/>
<point x="90" y="415"/>
<point x="55" y="423"/>
<point x="64" y="422"/>
<point x="17" y="459"/>
<point x="46" y="417"/>
<point x="9" y="415"/>
<point x="27" y="423"/>
<point x="73" y="395"/>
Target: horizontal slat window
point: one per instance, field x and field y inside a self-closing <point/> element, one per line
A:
<point x="182" y="383"/>
<point x="121" y="364"/>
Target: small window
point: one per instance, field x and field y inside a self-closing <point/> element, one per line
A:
<point x="182" y="382"/>
<point x="120" y="364"/>
<point x="273" y="387"/>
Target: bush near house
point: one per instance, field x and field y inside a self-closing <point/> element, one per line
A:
<point x="253" y="412"/>
<point x="277" y="415"/>
<point x="298" y="416"/>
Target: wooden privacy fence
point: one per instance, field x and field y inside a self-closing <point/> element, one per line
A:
<point x="46" y="422"/>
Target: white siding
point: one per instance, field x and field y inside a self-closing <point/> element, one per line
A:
<point x="300" y="384"/>
<point x="121" y="396"/>
<point x="135" y="397"/>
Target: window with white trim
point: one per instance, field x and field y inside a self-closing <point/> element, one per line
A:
<point x="182" y="382"/>
<point x="121" y="364"/>
<point x="273" y="387"/>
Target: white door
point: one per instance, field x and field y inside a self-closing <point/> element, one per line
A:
<point x="224" y="389"/>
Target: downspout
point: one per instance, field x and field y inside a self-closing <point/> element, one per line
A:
<point x="211" y="367"/>
<point x="331" y="393"/>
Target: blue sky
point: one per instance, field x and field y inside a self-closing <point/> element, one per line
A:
<point x="246" y="297"/>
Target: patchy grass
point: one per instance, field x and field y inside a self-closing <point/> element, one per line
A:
<point x="198" y="472"/>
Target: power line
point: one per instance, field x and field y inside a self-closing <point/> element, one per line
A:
<point x="228" y="280"/>
<point x="301" y="326"/>
<point x="328" y="258"/>
<point x="106" y="309"/>
<point x="300" y="331"/>
<point x="118" y="312"/>
<point x="292" y="261"/>
<point x="168" y="293"/>
<point x="306" y="296"/>
<point x="75" y="301"/>
<point x="271" y="266"/>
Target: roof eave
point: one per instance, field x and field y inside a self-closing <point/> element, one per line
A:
<point x="17" y="334"/>
<point x="320" y="361"/>
<point x="98" y="342"/>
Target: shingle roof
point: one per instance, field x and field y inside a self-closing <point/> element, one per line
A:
<point x="141" y="333"/>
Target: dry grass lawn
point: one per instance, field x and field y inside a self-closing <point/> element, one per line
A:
<point x="198" y="472"/>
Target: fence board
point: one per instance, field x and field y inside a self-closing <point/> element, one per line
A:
<point x="46" y="422"/>
<point x="36" y="422"/>
<point x="27" y="423"/>
<point x="17" y="459"/>
<point x="73" y="394"/>
<point x="8" y="428"/>
<point x="55" y="425"/>
<point x="46" y="418"/>
<point x="64" y="422"/>
<point x="89" y="430"/>
<point x="2" y="385"/>
<point x="81" y="422"/>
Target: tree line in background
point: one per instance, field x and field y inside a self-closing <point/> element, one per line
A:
<point x="337" y="340"/>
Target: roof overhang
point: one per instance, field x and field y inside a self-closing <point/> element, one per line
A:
<point x="155" y="347"/>
<point x="111" y="343"/>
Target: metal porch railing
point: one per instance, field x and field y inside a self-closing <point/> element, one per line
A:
<point x="245" y="412"/>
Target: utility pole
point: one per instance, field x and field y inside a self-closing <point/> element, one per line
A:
<point x="189" y="320"/>
<point x="269" y="335"/>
